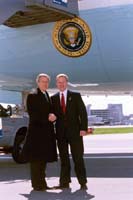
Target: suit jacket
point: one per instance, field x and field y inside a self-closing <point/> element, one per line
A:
<point x="40" y="141"/>
<point x="74" y="119"/>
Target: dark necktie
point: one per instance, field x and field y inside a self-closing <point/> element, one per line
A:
<point x="63" y="106"/>
<point x="46" y="97"/>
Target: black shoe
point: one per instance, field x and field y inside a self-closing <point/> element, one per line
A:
<point x="62" y="186"/>
<point x="39" y="189"/>
<point x="83" y="187"/>
<point x="42" y="188"/>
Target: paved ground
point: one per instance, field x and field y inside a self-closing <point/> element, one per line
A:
<point x="109" y="163"/>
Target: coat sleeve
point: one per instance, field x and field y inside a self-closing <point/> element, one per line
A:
<point x="31" y="107"/>
<point x="29" y="104"/>
<point x="83" y="118"/>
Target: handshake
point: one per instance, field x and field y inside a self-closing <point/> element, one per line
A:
<point x="52" y="117"/>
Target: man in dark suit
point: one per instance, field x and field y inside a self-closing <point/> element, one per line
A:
<point x="71" y="125"/>
<point x="40" y="144"/>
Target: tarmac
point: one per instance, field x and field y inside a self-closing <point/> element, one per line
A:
<point x="109" y="165"/>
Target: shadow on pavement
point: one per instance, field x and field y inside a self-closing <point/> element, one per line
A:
<point x="63" y="195"/>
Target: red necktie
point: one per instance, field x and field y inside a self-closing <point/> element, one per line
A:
<point x="63" y="106"/>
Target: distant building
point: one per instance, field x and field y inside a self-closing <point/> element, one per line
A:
<point x="112" y="115"/>
<point x="130" y="119"/>
<point x="115" y="113"/>
<point x="102" y="114"/>
<point x="88" y="108"/>
<point x="94" y="120"/>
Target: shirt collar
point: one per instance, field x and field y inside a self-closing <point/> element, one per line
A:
<point x="64" y="92"/>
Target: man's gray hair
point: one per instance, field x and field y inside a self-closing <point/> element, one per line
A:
<point x="42" y="75"/>
<point x="62" y="75"/>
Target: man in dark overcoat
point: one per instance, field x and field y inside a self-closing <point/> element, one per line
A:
<point x="71" y="125"/>
<point x="40" y="144"/>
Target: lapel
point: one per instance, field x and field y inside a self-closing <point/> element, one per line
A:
<point x="68" y="102"/>
<point x="58" y="102"/>
<point x="45" y="97"/>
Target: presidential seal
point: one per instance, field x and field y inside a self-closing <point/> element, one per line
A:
<point x="72" y="37"/>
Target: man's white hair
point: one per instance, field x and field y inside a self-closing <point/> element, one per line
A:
<point x="62" y="75"/>
<point x="42" y="75"/>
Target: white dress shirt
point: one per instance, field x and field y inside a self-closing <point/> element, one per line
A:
<point x="65" y="95"/>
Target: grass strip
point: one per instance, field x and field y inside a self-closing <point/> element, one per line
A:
<point x="113" y="130"/>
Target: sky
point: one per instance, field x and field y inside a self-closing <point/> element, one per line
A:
<point x="101" y="102"/>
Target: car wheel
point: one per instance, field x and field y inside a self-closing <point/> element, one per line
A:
<point x="18" y="145"/>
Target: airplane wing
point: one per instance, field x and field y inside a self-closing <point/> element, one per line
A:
<point x="18" y="13"/>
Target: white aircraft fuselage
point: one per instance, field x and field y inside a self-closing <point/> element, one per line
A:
<point x="106" y="68"/>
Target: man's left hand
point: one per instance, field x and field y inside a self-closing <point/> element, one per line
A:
<point x="83" y="133"/>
